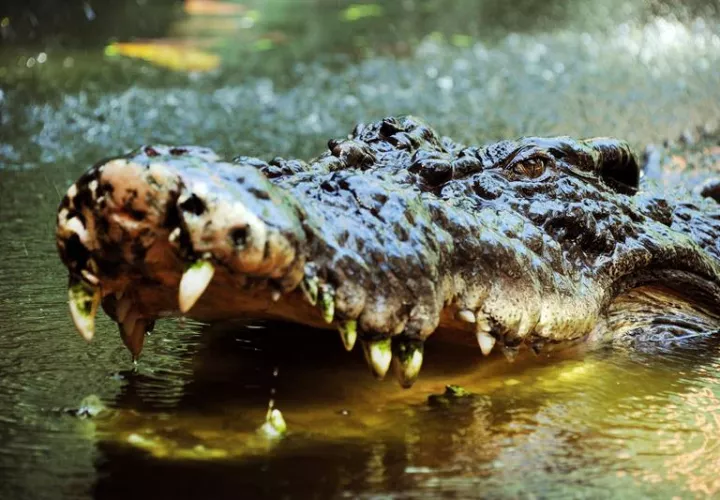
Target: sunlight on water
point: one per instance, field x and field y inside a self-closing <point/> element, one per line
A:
<point x="563" y="422"/>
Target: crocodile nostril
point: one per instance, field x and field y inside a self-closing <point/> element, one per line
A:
<point x="193" y="205"/>
<point x="239" y="236"/>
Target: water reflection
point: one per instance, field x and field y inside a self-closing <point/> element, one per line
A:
<point x="566" y="424"/>
<point x="268" y="38"/>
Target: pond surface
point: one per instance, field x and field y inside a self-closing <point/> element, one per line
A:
<point x="280" y="78"/>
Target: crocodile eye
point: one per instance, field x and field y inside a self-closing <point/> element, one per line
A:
<point x="530" y="168"/>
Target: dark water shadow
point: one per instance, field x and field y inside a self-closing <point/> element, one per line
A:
<point x="233" y="373"/>
<point x="530" y="426"/>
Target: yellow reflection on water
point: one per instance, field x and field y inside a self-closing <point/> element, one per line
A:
<point x="199" y="35"/>
<point x="605" y="419"/>
<point x="694" y="450"/>
<point x="175" y="57"/>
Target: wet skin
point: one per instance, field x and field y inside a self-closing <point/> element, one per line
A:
<point x="395" y="234"/>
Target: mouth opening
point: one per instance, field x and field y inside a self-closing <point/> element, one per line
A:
<point x="663" y="307"/>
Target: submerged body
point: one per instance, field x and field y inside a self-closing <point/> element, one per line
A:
<point x="395" y="233"/>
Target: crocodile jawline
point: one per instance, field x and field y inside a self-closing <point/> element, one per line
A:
<point x="390" y="235"/>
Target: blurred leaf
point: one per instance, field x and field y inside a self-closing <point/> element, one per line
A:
<point x="263" y="44"/>
<point x="360" y="11"/>
<point x="461" y="40"/>
<point x="436" y="36"/>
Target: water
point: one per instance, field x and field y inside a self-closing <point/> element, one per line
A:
<point x="289" y="75"/>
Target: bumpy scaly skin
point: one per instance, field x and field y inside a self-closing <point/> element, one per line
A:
<point x="392" y="233"/>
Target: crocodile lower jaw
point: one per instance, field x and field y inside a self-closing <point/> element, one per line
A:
<point x="135" y="304"/>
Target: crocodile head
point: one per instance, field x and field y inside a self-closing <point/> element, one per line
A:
<point x="391" y="235"/>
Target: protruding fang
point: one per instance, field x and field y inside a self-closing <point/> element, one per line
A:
<point x="378" y="354"/>
<point x="275" y="295"/>
<point x="482" y="322"/>
<point x="174" y="235"/>
<point x="537" y="347"/>
<point x="76" y="226"/>
<point x="466" y="315"/>
<point x="194" y="282"/>
<point x="132" y="332"/>
<point x="348" y="333"/>
<point x="83" y="299"/>
<point x="128" y="325"/>
<point x="122" y="308"/>
<point x="407" y="361"/>
<point x="327" y="303"/>
<point x="90" y="277"/>
<point x="485" y="341"/>
<point x="309" y="287"/>
<point x="510" y="353"/>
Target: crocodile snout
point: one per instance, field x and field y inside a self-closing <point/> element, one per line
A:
<point x="255" y="232"/>
<point x="159" y="223"/>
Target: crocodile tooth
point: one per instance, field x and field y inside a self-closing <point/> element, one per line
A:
<point x="76" y="226"/>
<point x="537" y="347"/>
<point x="466" y="315"/>
<point x="90" y="277"/>
<point x="194" y="282"/>
<point x="122" y="308"/>
<point x="327" y="303"/>
<point x="510" y="352"/>
<point x="378" y="354"/>
<point x="275" y="295"/>
<point x="407" y="360"/>
<point x="482" y="323"/>
<point x="83" y="299"/>
<point x="174" y="235"/>
<point x="132" y="332"/>
<point x="348" y="333"/>
<point x="486" y="341"/>
<point x="128" y="325"/>
<point x="309" y="287"/>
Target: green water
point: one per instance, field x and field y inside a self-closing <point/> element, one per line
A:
<point x="291" y="75"/>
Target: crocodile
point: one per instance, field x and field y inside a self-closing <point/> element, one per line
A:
<point x="395" y="233"/>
